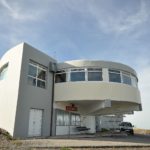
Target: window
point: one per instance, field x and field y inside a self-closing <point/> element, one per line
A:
<point x="75" y="120"/>
<point x="126" y="79"/>
<point x="94" y="74"/>
<point x="66" y="119"/>
<point x="37" y="75"/>
<point x="63" y="118"/>
<point x="114" y="76"/>
<point x="60" y="77"/>
<point x="77" y="75"/>
<point x="60" y="118"/>
<point x="3" y="71"/>
<point x="134" y="81"/>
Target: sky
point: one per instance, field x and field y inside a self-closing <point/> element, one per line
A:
<point x="114" y="30"/>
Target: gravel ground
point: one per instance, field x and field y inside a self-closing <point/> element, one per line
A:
<point x="78" y="143"/>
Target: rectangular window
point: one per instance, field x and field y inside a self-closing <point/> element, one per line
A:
<point x="114" y="76"/>
<point x="126" y="79"/>
<point x="66" y="119"/>
<point x="63" y="118"/>
<point x="77" y="76"/>
<point x="60" y="118"/>
<point x="78" y="120"/>
<point x="94" y="74"/>
<point x="60" y="77"/>
<point x="37" y="75"/>
<point x="75" y="120"/>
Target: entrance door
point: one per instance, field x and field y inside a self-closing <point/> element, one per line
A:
<point x="35" y="122"/>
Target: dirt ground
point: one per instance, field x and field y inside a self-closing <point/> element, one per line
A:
<point x="136" y="142"/>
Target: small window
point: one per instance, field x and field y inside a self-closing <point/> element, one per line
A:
<point x="94" y="74"/>
<point x="41" y="74"/>
<point x="32" y="70"/>
<point x="3" y="71"/>
<point x="60" y="77"/>
<point x="114" y="76"/>
<point x="37" y="75"/>
<point x="41" y="84"/>
<point x="126" y="79"/>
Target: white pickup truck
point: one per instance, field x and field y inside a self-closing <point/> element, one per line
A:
<point x="126" y="127"/>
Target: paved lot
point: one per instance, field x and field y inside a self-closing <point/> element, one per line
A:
<point x="91" y="142"/>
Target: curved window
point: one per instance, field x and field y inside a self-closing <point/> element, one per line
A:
<point x="126" y="79"/>
<point x="94" y="74"/>
<point x="114" y="76"/>
<point x="3" y="71"/>
<point x="134" y="81"/>
<point x="77" y="75"/>
<point x="37" y="75"/>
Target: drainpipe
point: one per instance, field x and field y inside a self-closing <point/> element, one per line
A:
<point x="52" y="69"/>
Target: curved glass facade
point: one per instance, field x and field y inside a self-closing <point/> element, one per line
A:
<point x="95" y="74"/>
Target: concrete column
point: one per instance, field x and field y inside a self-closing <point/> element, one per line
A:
<point x="105" y="75"/>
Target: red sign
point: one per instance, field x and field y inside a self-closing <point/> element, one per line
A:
<point x="71" y="108"/>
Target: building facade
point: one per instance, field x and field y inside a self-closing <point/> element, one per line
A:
<point x="40" y="97"/>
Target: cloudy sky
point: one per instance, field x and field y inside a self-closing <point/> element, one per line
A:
<point x="114" y="30"/>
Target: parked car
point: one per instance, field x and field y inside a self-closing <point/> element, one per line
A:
<point x="126" y="127"/>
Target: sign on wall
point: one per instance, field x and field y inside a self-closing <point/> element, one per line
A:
<point x="71" y="107"/>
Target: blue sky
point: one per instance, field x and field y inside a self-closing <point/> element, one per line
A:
<point x="113" y="30"/>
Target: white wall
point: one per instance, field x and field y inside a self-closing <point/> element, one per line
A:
<point x="89" y="122"/>
<point x="9" y="88"/>
<point x="96" y="91"/>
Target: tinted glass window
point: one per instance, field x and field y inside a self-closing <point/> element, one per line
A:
<point x="40" y="84"/>
<point x="126" y="79"/>
<point x="114" y="76"/>
<point x="77" y="76"/>
<point x="94" y="76"/>
<point x="32" y="71"/>
<point x="37" y="75"/>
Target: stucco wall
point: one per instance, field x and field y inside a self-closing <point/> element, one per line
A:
<point x="96" y="91"/>
<point x="9" y="88"/>
<point x="31" y="96"/>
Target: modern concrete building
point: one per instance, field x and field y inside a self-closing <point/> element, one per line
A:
<point x="41" y="97"/>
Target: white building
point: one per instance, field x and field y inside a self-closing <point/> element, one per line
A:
<point x="40" y="97"/>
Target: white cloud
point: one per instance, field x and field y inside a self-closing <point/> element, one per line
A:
<point x="24" y="10"/>
<point x="120" y="21"/>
